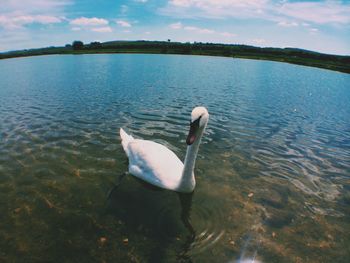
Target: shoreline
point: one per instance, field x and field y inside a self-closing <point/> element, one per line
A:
<point x="292" y="56"/>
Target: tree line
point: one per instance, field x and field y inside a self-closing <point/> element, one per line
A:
<point x="290" y="55"/>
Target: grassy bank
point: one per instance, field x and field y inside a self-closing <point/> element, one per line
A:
<point x="290" y="55"/>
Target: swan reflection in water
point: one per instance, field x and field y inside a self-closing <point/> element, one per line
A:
<point x="160" y="216"/>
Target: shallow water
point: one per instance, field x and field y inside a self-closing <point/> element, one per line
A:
<point x="273" y="171"/>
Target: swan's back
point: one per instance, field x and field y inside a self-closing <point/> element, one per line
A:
<point x="154" y="163"/>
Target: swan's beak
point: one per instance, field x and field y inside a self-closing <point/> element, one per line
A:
<point x="192" y="135"/>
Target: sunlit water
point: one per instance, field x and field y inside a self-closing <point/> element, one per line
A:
<point x="273" y="171"/>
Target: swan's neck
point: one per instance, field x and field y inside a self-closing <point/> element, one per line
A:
<point x="188" y="179"/>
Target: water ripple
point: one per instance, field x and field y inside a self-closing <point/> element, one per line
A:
<point x="271" y="125"/>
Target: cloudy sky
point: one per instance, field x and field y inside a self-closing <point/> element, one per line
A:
<point x="319" y="25"/>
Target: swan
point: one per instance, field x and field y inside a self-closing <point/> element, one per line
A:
<point x="159" y="166"/>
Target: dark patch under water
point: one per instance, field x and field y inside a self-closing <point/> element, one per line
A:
<point x="273" y="171"/>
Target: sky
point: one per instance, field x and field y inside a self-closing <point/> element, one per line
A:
<point x="318" y="25"/>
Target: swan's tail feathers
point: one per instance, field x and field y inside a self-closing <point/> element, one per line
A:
<point x="126" y="139"/>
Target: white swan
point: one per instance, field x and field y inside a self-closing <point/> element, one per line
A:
<point x="157" y="165"/>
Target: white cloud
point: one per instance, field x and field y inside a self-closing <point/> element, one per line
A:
<point x="313" y="31"/>
<point x="259" y="41"/>
<point x="214" y="8"/>
<point x="199" y="30"/>
<point x="183" y="3"/>
<point x="43" y="19"/>
<point x="227" y="34"/>
<point x="141" y="1"/>
<point x="92" y="24"/>
<point x="123" y="23"/>
<point x="177" y="25"/>
<point x="9" y="21"/>
<point x="84" y="21"/>
<point x="34" y="6"/>
<point x="15" y="14"/>
<point x="16" y="17"/>
<point x="287" y="24"/>
<point x="216" y="3"/>
<point x="190" y="28"/>
<point x="105" y="29"/>
<point x="320" y="12"/>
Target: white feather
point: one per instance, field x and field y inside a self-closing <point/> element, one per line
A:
<point x="126" y="139"/>
<point x="157" y="165"/>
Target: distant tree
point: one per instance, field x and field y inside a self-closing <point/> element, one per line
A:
<point x="186" y="48"/>
<point x="227" y="52"/>
<point x="78" y="45"/>
<point x="68" y="45"/>
<point x="169" y="40"/>
<point x="95" y="45"/>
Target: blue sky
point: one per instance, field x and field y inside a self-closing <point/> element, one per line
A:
<point x="322" y="26"/>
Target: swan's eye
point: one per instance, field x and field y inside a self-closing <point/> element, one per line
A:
<point x="192" y="135"/>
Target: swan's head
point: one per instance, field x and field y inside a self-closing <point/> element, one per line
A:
<point x="199" y="119"/>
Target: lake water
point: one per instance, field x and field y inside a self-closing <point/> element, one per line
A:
<point x="273" y="171"/>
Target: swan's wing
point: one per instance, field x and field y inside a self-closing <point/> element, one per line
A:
<point x="154" y="163"/>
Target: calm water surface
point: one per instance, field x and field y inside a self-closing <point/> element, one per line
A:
<point x="273" y="171"/>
